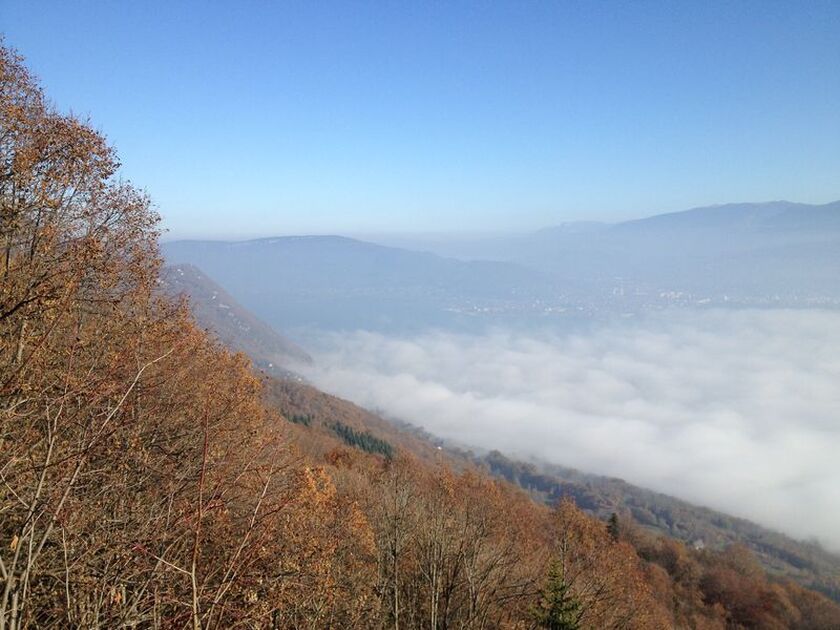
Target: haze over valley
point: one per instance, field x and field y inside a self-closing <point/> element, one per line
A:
<point x="690" y="353"/>
<point x="775" y="254"/>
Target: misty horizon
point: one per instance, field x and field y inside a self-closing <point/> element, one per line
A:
<point x="410" y="237"/>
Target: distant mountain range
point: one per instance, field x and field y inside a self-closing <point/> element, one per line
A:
<point x="753" y="253"/>
<point x="764" y="254"/>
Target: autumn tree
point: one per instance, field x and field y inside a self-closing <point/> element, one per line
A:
<point x="604" y="577"/>
<point x="79" y="262"/>
<point x="143" y="480"/>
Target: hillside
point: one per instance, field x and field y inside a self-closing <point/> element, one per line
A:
<point x="713" y="576"/>
<point x="216" y="310"/>
<point x="599" y="496"/>
<point x="698" y="527"/>
<point x="805" y="562"/>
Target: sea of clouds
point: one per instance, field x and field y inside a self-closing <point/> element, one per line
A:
<point x="737" y="410"/>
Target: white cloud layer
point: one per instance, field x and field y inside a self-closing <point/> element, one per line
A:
<point x="737" y="410"/>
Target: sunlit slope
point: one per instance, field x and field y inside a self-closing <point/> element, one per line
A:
<point x="215" y="309"/>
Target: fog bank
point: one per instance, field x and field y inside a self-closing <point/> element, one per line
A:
<point x="737" y="410"/>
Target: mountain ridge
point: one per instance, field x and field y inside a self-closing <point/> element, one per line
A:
<point x="215" y="309"/>
<point x="742" y="216"/>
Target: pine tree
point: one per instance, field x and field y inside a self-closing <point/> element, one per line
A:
<point x="613" y="527"/>
<point x="558" y="608"/>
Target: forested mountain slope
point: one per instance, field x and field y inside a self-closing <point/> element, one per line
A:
<point x="700" y="580"/>
<point x="697" y="527"/>
<point x="807" y="563"/>
<point x="215" y="309"/>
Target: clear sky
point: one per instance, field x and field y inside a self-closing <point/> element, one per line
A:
<point x="255" y="118"/>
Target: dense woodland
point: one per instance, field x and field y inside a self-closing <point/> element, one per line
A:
<point x="150" y="478"/>
<point x="806" y="562"/>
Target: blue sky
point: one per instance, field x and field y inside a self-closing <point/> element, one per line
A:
<point x="257" y="118"/>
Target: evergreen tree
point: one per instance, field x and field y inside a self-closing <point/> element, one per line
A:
<point x="558" y="608"/>
<point x="613" y="527"/>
